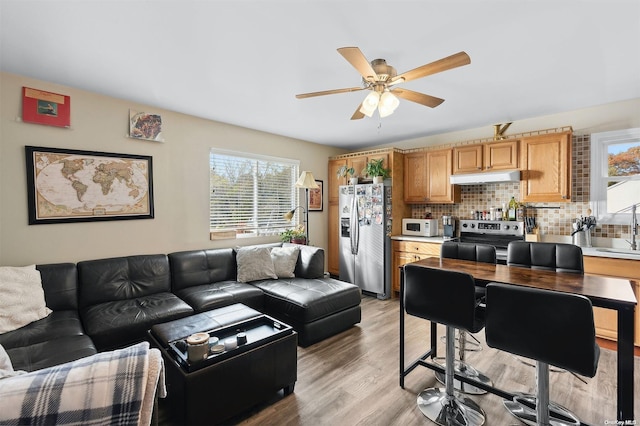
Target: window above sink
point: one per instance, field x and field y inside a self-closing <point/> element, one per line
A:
<point x="615" y="175"/>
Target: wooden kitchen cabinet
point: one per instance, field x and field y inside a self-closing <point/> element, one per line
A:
<point x="407" y="252"/>
<point x="334" y="181"/>
<point x="426" y="177"/>
<point x="606" y="320"/>
<point x="486" y="157"/>
<point x="546" y="168"/>
<point x="333" y="240"/>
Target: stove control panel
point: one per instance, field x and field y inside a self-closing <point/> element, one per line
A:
<point x="492" y="227"/>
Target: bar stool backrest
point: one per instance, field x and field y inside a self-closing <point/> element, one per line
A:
<point x="548" y="326"/>
<point x="468" y="251"/>
<point x="557" y="257"/>
<point x="446" y="297"/>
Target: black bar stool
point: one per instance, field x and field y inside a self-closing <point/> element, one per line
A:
<point x="477" y="253"/>
<point x="557" y="257"/>
<point x="551" y="327"/>
<point x="445" y="297"/>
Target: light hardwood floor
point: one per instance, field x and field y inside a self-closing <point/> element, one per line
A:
<point x="352" y="379"/>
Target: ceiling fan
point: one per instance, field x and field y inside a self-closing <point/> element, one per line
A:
<point x="381" y="78"/>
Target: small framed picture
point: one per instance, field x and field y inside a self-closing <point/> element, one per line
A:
<point x="48" y="108"/>
<point x="316" y="198"/>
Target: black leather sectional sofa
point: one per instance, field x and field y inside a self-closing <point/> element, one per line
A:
<point x="105" y="304"/>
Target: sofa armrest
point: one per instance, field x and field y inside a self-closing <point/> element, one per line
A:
<point x="310" y="262"/>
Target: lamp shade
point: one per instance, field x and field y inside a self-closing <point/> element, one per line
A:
<point x="306" y="180"/>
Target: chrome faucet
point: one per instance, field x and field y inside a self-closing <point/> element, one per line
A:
<point x="634" y="228"/>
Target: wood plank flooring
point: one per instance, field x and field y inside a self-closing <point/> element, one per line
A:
<point x="352" y="379"/>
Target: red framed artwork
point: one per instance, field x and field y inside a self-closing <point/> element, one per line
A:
<point x="47" y="108"/>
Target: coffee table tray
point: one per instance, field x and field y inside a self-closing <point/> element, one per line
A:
<point x="259" y="331"/>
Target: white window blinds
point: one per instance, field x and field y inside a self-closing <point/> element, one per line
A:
<point x="249" y="194"/>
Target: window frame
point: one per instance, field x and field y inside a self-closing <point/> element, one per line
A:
<point x="599" y="174"/>
<point x="256" y="231"/>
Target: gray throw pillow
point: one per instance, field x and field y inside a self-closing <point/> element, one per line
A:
<point x="284" y="261"/>
<point x="254" y="263"/>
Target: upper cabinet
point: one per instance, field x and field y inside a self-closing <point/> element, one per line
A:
<point x="426" y="177"/>
<point x="485" y="157"/>
<point x="546" y="168"/>
<point x="334" y="180"/>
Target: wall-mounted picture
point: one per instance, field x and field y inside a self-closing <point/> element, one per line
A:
<point x="315" y="198"/>
<point x="48" y="108"/>
<point x="145" y="125"/>
<point x="66" y="185"/>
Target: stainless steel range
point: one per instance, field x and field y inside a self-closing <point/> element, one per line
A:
<point x="498" y="233"/>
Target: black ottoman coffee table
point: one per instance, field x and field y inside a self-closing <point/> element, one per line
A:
<point x="227" y="383"/>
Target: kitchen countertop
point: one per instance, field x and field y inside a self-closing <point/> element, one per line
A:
<point x="615" y="253"/>
<point x="437" y="240"/>
<point x="611" y="252"/>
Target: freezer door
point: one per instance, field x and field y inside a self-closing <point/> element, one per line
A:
<point x="346" y="258"/>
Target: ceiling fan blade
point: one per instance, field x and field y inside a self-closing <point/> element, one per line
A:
<point x="420" y="98"/>
<point x="329" y="92"/>
<point x="357" y="115"/>
<point x="456" y="60"/>
<point x="355" y="57"/>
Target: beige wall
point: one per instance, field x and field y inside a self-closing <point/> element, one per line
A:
<point x="603" y="118"/>
<point x="180" y="174"/>
<point x="180" y="164"/>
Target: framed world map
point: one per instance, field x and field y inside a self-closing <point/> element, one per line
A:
<point x="66" y="185"/>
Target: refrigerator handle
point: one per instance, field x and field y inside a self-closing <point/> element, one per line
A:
<point x="354" y="236"/>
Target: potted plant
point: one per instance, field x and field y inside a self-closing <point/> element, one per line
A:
<point x="376" y="170"/>
<point x="295" y="235"/>
<point x="348" y="172"/>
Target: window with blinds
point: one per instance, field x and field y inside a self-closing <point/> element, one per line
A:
<point x="250" y="194"/>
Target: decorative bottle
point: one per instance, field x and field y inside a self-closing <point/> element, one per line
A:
<point x="513" y="207"/>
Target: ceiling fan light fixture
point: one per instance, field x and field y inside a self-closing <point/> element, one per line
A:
<point x="370" y="103"/>
<point x="388" y="104"/>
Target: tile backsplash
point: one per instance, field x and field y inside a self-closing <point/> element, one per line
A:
<point x="552" y="218"/>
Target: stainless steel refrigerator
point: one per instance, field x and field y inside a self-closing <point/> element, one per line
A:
<point x="365" y="245"/>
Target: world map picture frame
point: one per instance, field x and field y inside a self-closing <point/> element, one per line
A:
<point x="68" y="185"/>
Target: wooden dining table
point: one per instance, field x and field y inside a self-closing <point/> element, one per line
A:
<point x="606" y="292"/>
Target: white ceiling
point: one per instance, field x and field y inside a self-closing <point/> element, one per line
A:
<point x="242" y="62"/>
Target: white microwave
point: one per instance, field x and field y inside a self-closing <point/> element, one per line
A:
<point x="420" y="227"/>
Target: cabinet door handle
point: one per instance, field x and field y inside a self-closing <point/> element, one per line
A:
<point x="488" y="167"/>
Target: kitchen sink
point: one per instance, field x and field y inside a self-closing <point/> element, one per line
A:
<point x="620" y="251"/>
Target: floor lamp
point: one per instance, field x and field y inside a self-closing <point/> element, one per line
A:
<point x="306" y="181"/>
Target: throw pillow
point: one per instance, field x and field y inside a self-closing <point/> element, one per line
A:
<point x="22" y="300"/>
<point x="284" y="261"/>
<point x="254" y="263"/>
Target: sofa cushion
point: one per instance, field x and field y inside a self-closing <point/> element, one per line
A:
<point x="122" y="278"/>
<point x="52" y="352"/>
<point x="60" y="285"/>
<point x="310" y="261"/>
<point x="197" y="267"/>
<point x="121" y="322"/>
<point x="254" y="263"/>
<point x="307" y="300"/>
<point x="57" y="324"/>
<point x="22" y="300"/>
<point x="211" y="296"/>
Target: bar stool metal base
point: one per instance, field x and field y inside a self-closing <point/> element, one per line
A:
<point x="466" y="370"/>
<point x="449" y="411"/>
<point x="523" y="406"/>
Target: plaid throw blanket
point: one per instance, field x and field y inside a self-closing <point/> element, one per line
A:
<point x="109" y="388"/>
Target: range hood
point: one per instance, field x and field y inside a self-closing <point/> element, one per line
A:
<point x="489" y="177"/>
